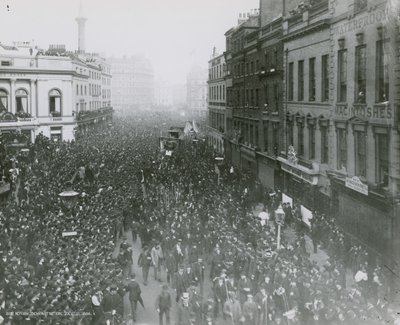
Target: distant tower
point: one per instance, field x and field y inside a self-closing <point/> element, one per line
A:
<point x="81" y="30"/>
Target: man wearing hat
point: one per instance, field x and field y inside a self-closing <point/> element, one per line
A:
<point x="163" y="304"/>
<point x="179" y="283"/>
<point x="198" y="271"/>
<point x="97" y="311"/>
<point x="232" y="309"/>
<point x="113" y="301"/>
<point x="144" y="262"/>
<point x="134" y="295"/>
<point x="157" y="257"/>
<point x="250" y="310"/>
<point x="220" y="294"/>
<point x="170" y="265"/>
<point x="184" y="316"/>
<point x="261" y="299"/>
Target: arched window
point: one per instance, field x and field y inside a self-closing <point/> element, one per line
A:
<point x="3" y="101"/>
<point x="21" y="98"/>
<point x="55" y="102"/>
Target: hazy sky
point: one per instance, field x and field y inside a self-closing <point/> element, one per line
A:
<point x="173" y="34"/>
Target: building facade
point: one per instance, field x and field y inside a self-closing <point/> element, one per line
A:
<point x="365" y="142"/>
<point x="216" y="101"/>
<point x="44" y="91"/>
<point x="243" y="93"/>
<point x="313" y="108"/>
<point x="133" y="83"/>
<point x="196" y="92"/>
<point x="306" y="42"/>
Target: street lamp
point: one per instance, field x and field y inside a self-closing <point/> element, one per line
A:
<point x="279" y="218"/>
<point x="218" y="162"/>
<point x="69" y="197"/>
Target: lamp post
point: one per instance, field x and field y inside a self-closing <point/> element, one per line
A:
<point x="69" y="197"/>
<point x="218" y="162"/>
<point x="279" y="219"/>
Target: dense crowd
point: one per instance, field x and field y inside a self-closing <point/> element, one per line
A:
<point x="189" y="226"/>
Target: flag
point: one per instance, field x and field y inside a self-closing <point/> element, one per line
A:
<point x="195" y="129"/>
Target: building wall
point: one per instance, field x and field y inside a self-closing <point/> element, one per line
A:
<point x="216" y="102"/>
<point x="35" y="74"/>
<point x="133" y="85"/>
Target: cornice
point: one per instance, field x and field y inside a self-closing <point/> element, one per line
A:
<point x="317" y="26"/>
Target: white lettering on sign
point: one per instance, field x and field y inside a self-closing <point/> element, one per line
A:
<point x="355" y="184"/>
<point x="69" y="233"/>
<point x="375" y="17"/>
<point x="376" y="112"/>
<point x="10" y="75"/>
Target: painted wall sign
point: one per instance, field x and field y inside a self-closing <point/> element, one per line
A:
<point x="376" y="112"/>
<point x="374" y="17"/>
<point x="355" y="184"/>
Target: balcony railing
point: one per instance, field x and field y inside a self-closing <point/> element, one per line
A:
<point x="88" y="115"/>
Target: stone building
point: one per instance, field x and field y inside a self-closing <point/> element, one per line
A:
<point x="306" y="42"/>
<point x="216" y="101"/>
<point x="365" y="156"/>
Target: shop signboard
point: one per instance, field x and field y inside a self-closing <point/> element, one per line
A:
<point x="355" y="184"/>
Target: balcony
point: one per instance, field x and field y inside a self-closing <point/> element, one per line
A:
<point x="88" y="116"/>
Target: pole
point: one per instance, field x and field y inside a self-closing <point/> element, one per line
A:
<point x="279" y="237"/>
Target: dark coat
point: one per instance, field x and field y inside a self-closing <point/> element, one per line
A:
<point x="134" y="291"/>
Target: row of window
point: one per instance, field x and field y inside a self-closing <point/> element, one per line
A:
<point x="312" y="81"/>
<point x="94" y="90"/>
<point x="360" y="148"/>
<point x="249" y="135"/>
<point x="216" y="92"/>
<point x="216" y="72"/>
<point x="216" y="121"/>
<point x="94" y="75"/>
<point x="251" y="97"/>
<point x="360" y="78"/>
<point x="361" y="73"/>
<point x="22" y="103"/>
<point x="106" y="93"/>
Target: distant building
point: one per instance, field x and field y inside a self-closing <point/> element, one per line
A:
<point x="163" y="95"/>
<point x="216" y="101"/>
<point x="196" y="87"/>
<point x="133" y="83"/>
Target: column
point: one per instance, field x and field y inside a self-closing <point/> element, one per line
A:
<point x="306" y="139"/>
<point x="295" y="136"/>
<point x="12" y="95"/>
<point x="32" y="103"/>
<point x="332" y="146"/>
<point x="37" y="100"/>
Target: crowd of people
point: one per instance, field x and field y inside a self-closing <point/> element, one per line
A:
<point x="58" y="258"/>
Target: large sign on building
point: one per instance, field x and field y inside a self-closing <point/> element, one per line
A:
<point x="355" y="184"/>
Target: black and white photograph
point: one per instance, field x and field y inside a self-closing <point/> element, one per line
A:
<point x="199" y="162"/>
